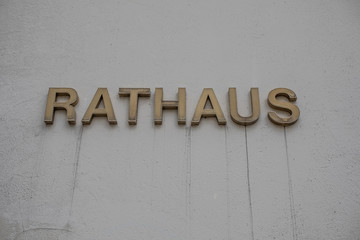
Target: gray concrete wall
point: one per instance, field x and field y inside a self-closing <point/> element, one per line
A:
<point x="180" y="182"/>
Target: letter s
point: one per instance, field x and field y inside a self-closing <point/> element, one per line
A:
<point x="283" y="106"/>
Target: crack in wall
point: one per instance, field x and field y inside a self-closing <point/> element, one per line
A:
<point x="227" y="185"/>
<point x="249" y="188"/>
<point x="188" y="179"/>
<point x="291" y="195"/>
<point x="77" y="157"/>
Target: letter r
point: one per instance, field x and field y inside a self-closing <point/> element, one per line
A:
<point x="68" y="106"/>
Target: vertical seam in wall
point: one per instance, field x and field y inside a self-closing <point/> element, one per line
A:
<point x="227" y="186"/>
<point x="291" y="195"/>
<point x="249" y="188"/>
<point x="77" y="157"/>
<point x="188" y="179"/>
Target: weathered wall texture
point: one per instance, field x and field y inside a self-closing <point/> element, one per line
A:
<point x="174" y="182"/>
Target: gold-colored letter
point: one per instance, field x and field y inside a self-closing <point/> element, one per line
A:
<point x="160" y="104"/>
<point x="201" y="111"/>
<point x="68" y="106"/>
<point x="101" y="94"/>
<point x="255" y="106"/>
<point x="134" y="94"/>
<point x="284" y="106"/>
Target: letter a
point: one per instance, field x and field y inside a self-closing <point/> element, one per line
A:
<point x="208" y="95"/>
<point x="101" y="94"/>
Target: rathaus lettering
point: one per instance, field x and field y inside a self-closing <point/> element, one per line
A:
<point x="207" y="96"/>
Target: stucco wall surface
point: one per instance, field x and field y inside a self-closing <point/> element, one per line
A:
<point x="102" y="182"/>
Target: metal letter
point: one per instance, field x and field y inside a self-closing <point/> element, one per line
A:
<point x="201" y="111"/>
<point x="255" y="106"/>
<point x="68" y="106"/>
<point x="134" y="94"/>
<point x="160" y="104"/>
<point x="101" y="94"/>
<point x="284" y="106"/>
